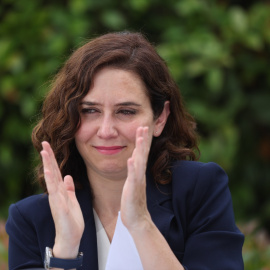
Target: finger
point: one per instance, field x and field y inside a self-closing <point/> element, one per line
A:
<point x="131" y="170"/>
<point x="47" y="148"/>
<point x="139" y="132"/>
<point x="140" y="156"/>
<point x="138" y="152"/>
<point x="48" y="175"/>
<point x="142" y="132"/>
<point x="69" y="183"/>
<point x="53" y="163"/>
<point x="145" y="141"/>
<point x="145" y="149"/>
<point x="146" y="145"/>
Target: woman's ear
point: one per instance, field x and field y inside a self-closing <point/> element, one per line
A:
<point x="162" y="119"/>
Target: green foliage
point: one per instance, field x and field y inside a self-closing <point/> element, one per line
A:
<point x="217" y="51"/>
<point x="256" y="251"/>
<point x="3" y="246"/>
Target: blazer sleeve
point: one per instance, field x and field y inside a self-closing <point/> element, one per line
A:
<point x="24" y="249"/>
<point x="212" y="239"/>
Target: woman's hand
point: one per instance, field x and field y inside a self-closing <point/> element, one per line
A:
<point x="66" y="211"/>
<point x="149" y="242"/>
<point x="134" y="212"/>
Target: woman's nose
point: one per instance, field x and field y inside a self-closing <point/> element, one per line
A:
<point x="107" y="128"/>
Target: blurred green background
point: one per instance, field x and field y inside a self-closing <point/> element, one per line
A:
<point x="218" y="52"/>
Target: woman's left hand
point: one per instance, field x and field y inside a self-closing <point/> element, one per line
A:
<point x="149" y="242"/>
<point x="134" y="212"/>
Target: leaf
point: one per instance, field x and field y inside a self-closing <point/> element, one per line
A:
<point x="113" y="19"/>
<point x="214" y="79"/>
<point x="238" y="20"/>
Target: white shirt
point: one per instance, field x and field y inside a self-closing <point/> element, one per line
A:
<point x="103" y="243"/>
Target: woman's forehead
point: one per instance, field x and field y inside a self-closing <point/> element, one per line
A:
<point x="119" y="85"/>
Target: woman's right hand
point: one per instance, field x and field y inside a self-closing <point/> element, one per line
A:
<point x="65" y="209"/>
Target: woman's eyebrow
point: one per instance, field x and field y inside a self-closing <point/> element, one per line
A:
<point x="126" y="103"/>
<point x="89" y="103"/>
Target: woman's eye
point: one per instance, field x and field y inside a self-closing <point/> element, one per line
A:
<point x="89" y="110"/>
<point x="127" y="112"/>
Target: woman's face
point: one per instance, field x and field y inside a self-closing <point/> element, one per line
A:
<point x="115" y="106"/>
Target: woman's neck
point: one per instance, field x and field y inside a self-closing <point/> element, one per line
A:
<point x="107" y="194"/>
<point x="106" y="200"/>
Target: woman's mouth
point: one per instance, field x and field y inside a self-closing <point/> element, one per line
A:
<point x="109" y="150"/>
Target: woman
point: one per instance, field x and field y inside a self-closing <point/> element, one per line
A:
<point x="114" y="126"/>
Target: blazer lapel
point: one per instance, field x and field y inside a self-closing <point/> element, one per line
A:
<point x="88" y="243"/>
<point x="159" y="203"/>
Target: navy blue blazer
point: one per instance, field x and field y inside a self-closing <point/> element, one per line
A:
<point x="194" y="213"/>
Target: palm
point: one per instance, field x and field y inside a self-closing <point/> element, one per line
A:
<point x="133" y="201"/>
<point x="66" y="211"/>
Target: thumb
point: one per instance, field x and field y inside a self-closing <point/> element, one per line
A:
<point x="69" y="183"/>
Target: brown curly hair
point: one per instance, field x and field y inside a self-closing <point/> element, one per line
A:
<point x="128" y="51"/>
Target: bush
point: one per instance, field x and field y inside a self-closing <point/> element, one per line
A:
<point x="3" y="246"/>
